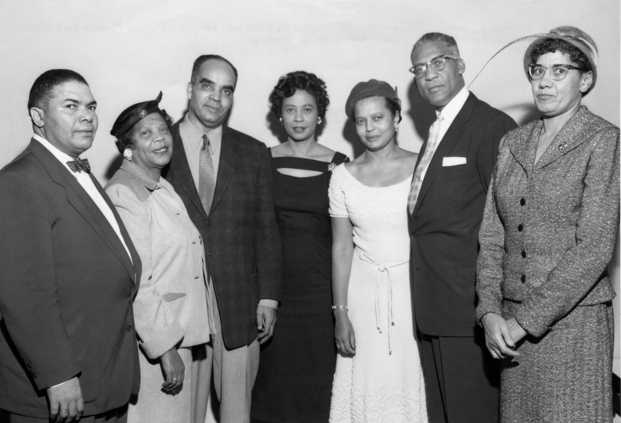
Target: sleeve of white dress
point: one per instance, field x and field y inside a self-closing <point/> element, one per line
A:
<point x="336" y="193"/>
<point x="156" y="323"/>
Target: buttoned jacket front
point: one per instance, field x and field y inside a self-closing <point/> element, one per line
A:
<point x="240" y="235"/>
<point x="171" y="304"/>
<point x="66" y="291"/>
<point x="549" y="227"/>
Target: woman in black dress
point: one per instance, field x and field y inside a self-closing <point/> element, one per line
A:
<point x="295" y="374"/>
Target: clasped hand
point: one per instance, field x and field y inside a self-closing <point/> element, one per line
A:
<point x="173" y="370"/>
<point x="502" y="335"/>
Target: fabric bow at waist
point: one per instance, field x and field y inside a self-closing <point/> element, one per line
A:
<point x="383" y="279"/>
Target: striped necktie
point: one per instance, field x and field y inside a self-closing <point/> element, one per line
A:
<point x="206" y="175"/>
<point x="419" y="173"/>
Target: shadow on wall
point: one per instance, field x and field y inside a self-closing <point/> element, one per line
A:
<point x="420" y="113"/>
<point x="351" y="136"/>
<point x="423" y="115"/>
<point x="527" y="112"/>
<point x="113" y="166"/>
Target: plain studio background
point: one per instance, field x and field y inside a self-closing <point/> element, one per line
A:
<point x="130" y="50"/>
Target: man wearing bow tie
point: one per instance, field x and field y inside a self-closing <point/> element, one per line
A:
<point x="69" y="271"/>
<point x="445" y="207"/>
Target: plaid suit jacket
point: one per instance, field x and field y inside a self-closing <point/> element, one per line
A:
<point x="240" y="235"/>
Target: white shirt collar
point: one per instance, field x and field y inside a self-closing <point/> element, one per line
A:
<point x="453" y="107"/>
<point x="60" y="155"/>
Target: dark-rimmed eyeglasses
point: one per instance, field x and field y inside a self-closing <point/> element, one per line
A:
<point x="436" y="64"/>
<point x="558" y="72"/>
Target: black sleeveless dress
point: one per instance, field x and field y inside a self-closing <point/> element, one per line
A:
<point x="296" y="367"/>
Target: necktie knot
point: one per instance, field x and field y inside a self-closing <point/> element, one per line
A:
<point x="206" y="143"/>
<point x="79" y="165"/>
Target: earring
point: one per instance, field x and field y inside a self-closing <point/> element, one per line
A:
<point x="280" y="120"/>
<point x="319" y="120"/>
<point x="128" y="154"/>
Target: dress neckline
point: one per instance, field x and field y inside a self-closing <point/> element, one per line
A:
<point x="408" y="179"/>
<point x="305" y="163"/>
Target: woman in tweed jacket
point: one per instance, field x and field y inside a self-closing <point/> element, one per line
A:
<point x="548" y="233"/>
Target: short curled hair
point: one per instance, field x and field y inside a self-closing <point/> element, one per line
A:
<point x="550" y="45"/>
<point x="435" y="37"/>
<point x="299" y="80"/>
<point x="198" y="62"/>
<point x="42" y="87"/>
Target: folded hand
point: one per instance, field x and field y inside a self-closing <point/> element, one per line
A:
<point x="498" y="339"/>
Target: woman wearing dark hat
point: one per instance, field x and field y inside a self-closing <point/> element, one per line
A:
<point x="378" y="375"/>
<point x="170" y="310"/>
<point x="548" y="233"/>
<point x="295" y="374"/>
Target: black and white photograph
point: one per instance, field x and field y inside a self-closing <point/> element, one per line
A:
<point x="302" y="211"/>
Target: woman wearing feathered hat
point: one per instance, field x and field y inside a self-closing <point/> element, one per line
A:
<point x="548" y="232"/>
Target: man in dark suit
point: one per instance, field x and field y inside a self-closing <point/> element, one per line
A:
<point x="224" y="179"/>
<point x="69" y="271"/>
<point x="445" y="208"/>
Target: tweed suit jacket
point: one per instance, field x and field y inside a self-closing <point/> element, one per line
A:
<point x="240" y="235"/>
<point x="445" y="221"/>
<point x="66" y="291"/>
<point x="550" y="227"/>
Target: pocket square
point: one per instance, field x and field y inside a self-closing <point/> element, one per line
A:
<point x="453" y="161"/>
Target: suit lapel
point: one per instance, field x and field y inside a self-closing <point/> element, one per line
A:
<point x="133" y="266"/>
<point x="524" y="147"/>
<point x="84" y="205"/>
<point x="226" y="166"/>
<point x="180" y="169"/>
<point x="569" y="137"/>
<point x="448" y="143"/>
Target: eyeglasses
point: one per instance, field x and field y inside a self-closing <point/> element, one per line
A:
<point x="559" y="72"/>
<point x="436" y="64"/>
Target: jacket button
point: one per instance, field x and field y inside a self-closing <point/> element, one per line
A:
<point x="522" y="201"/>
<point x="520" y="227"/>
<point x="523" y="278"/>
<point x="523" y="253"/>
<point x="129" y="327"/>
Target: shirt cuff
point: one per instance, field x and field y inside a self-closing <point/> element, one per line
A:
<point x="266" y="302"/>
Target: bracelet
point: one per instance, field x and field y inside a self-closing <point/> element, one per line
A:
<point x="340" y="307"/>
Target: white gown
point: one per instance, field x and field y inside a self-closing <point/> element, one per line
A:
<point x="383" y="381"/>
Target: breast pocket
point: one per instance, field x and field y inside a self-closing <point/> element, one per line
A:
<point x="456" y="172"/>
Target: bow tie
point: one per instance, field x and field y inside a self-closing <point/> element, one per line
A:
<point x="79" y="165"/>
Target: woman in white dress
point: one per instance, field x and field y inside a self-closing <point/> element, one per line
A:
<point x="378" y="375"/>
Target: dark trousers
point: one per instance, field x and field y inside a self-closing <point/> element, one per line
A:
<point x="461" y="379"/>
<point x="118" y="415"/>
